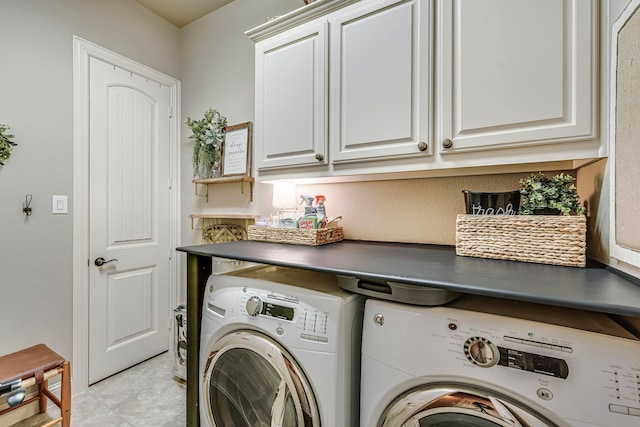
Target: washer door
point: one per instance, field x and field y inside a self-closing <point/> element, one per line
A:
<point x="252" y="381"/>
<point x="434" y="405"/>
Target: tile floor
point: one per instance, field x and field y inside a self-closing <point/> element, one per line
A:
<point x="146" y="395"/>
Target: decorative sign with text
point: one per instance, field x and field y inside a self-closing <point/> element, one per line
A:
<point x="236" y="151"/>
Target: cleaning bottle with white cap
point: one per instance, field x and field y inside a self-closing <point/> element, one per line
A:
<point x="310" y="220"/>
<point x="321" y="212"/>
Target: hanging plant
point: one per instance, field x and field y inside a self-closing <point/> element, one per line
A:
<point x="208" y="134"/>
<point x="5" y="143"/>
<point x="541" y="192"/>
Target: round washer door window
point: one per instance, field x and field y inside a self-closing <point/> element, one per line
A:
<point x="252" y="381"/>
<point x="453" y="406"/>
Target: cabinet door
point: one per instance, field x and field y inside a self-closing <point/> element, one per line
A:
<point x="516" y="73"/>
<point x="380" y="80"/>
<point x="291" y="110"/>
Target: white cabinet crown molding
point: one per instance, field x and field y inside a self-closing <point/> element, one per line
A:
<point x="296" y="17"/>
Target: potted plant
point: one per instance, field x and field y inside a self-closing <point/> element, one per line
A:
<point x="555" y="195"/>
<point x="5" y="143"/>
<point x="208" y="134"/>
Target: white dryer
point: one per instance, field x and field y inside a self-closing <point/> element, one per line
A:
<point x="279" y="347"/>
<point x="491" y="362"/>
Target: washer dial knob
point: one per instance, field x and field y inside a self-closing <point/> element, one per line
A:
<point x="481" y="352"/>
<point x="254" y="306"/>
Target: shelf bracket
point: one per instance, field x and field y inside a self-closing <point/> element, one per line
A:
<point x="206" y="195"/>
<point x="250" y="189"/>
<point x="193" y="221"/>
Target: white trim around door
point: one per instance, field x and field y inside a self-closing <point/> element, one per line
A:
<point x="82" y="52"/>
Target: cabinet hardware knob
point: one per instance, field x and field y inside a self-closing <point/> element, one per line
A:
<point x="319" y="157"/>
<point x="99" y="262"/>
<point x="422" y="146"/>
<point x="447" y="143"/>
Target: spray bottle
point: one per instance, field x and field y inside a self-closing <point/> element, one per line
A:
<point x="321" y="212"/>
<point x="310" y="220"/>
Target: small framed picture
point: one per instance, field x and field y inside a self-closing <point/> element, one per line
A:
<point x="236" y="150"/>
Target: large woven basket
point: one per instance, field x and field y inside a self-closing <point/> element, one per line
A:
<point x="296" y="236"/>
<point x="543" y="239"/>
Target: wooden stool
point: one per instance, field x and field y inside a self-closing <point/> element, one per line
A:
<point x="36" y="365"/>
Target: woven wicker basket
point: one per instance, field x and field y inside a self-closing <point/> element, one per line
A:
<point x="295" y="236"/>
<point x="218" y="233"/>
<point x="543" y="239"/>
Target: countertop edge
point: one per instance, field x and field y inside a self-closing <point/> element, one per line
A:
<point x="587" y="284"/>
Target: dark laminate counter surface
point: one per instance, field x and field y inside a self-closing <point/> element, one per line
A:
<point x="596" y="289"/>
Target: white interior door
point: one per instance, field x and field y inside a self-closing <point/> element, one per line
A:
<point x="129" y="205"/>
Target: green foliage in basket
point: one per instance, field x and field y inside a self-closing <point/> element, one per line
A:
<point x="6" y="144"/>
<point x="208" y="134"/>
<point x="558" y="192"/>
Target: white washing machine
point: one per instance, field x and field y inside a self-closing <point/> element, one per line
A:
<point x="489" y="362"/>
<point x="279" y="347"/>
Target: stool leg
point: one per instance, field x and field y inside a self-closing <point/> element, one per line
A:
<point x="65" y="395"/>
<point x="43" y="397"/>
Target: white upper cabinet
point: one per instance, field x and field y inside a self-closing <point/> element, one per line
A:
<point x="379" y="81"/>
<point x="517" y="73"/>
<point x="347" y="87"/>
<point x="291" y="98"/>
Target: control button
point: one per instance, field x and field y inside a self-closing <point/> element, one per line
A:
<point x="305" y="336"/>
<point x="453" y="326"/>
<point x="544" y="394"/>
<point x="618" y="409"/>
<point x="512" y="339"/>
<point x="567" y="349"/>
<point x="280" y="331"/>
<point x="634" y="411"/>
<point x="546" y="346"/>
<point x="556" y="347"/>
<point x="313" y="337"/>
<point x="323" y="339"/>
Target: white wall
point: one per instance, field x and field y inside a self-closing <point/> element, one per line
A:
<point x="36" y="96"/>
<point x="218" y="71"/>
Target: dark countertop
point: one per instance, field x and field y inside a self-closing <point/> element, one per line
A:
<point x="591" y="288"/>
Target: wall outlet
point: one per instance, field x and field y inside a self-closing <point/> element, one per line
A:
<point x="59" y="205"/>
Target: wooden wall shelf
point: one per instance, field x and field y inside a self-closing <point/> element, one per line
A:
<point x="248" y="219"/>
<point x="225" y="180"/>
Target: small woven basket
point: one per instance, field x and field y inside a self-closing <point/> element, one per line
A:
<point x="542" y="239"/>
<point x="219" y="233"/>
<point x="296" y="236"/>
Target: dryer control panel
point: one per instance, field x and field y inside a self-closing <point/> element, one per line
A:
<point x="484" y="353"/>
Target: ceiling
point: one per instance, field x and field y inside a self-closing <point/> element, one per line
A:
<point x="182" y="12"/>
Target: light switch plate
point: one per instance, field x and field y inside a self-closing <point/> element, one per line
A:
<point x="59" y="205"/>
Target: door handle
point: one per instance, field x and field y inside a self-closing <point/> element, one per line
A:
<point x="99" y="262"/>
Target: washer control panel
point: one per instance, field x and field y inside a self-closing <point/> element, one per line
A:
<point x="312" y="322"/>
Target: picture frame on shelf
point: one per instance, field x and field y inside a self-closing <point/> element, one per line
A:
<point x="236" y="150"/>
